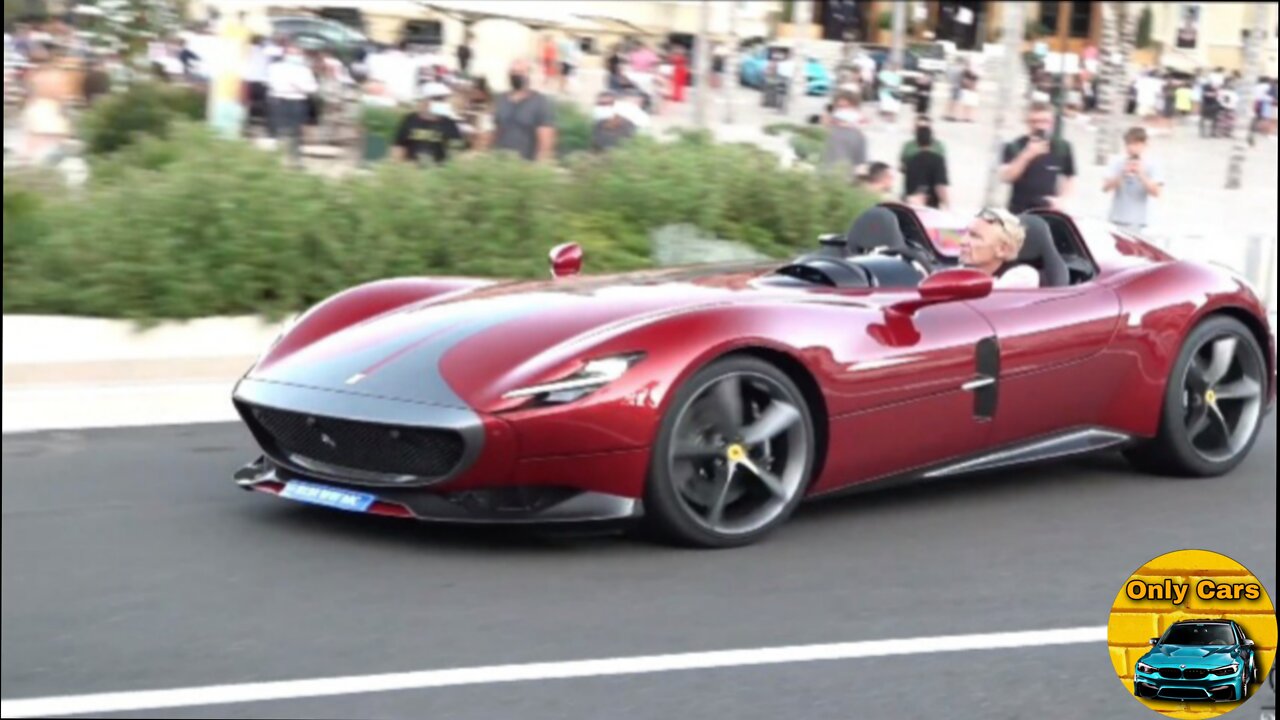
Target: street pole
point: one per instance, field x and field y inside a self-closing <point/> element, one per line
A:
<point x="1244" y="92"/>
<point x="1012" y="29"/>
<point x="899" y="34"/>
<point x="730" y="76"/>
<point x="702" y="64"/>
<point x="799" y="81"/>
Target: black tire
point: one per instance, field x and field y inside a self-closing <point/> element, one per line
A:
<point x="668" y="516"/>
<point x="1172" y="452"/>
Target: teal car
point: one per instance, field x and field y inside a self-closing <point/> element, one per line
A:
<point x="1198" y="660"/>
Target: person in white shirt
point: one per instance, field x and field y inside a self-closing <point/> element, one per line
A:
<point x="398" y="72"/>
<point x="992" y="244"/>
<point x="256" y="66"/>
<point x="291" y="83"/>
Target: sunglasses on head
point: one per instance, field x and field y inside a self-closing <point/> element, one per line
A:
<point x="991" y="216"/>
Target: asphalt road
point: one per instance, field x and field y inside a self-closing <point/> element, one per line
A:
<point x="130" y="562"/>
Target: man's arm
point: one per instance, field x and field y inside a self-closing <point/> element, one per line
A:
<point x="547" y="132"/>
<point x="1152" y="182"/>
<point x="944" y="196"/>
<point x="1067" y="181"/>
<point x="1015" y="163"/>
<point x="941" y="183"/>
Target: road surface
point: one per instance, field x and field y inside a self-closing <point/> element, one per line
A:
<point x="130" y="563"/>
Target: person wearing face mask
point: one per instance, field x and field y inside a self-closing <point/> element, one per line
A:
<point x="430" y="132"/>
<point x="524" y="120"/>
<point x="290" y="84"/>
<point x="611" y="128"/>
<point x="846" y="148"/>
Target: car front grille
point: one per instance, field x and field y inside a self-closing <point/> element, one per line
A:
<point x="357" y="451"/>
<point x="1171" y="673"/>
<point x="1195" y="674"/>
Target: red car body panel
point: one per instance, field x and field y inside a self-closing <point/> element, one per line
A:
<point x="887" y="386"/>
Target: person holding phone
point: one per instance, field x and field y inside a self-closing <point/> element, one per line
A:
<point x="1133" y="179"/>
<point x="1039" y="168"/>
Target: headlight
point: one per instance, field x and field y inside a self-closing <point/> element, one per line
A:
<point x="1143" y="667"/>
<point x="1231" y="669"/>
<point x="593" y="376"/>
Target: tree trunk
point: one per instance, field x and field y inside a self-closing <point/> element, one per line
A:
<point x="701" y="67"/>
<point x="1245" y="105"/>
<point x="899" y="34"/>
<point x="799" y="85"/>
<point x="1010" y="91"/>
<point x="730" y="76"/>
<point x="1108" y="87"/>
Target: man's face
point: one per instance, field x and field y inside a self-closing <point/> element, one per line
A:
<point x="980" y="245"/>
<point x="1135" y="149"/>
<point x="1040" y="122"/>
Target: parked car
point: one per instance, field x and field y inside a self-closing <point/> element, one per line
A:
<point x="754" y="65"/>
<point x="314" y="33"/>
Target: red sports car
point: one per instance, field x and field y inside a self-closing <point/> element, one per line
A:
<point x="711" y="401"/>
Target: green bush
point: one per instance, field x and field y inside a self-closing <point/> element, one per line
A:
<point x="193" y="225"/>
<point x="573" y="129"/>
<point x="145" y="109"/>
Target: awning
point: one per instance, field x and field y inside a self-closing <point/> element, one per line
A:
<point x="532" y="14"/>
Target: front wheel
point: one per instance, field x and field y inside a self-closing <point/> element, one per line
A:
<point x="733" y="457"/>
<point x="1214" y="406"/>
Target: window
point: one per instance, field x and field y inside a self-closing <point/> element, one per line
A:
<point x="1049" y="18"/>
<point x="1081" y="21"/>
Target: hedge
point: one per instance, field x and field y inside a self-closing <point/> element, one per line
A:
<point x="145" y="109"/>
<point x="192" y="225"/>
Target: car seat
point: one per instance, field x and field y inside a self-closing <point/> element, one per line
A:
<point x="873" y="230"/>
<point x="1040" y="252"/>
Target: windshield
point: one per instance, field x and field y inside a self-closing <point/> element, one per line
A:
<point x="1200" y="635"/>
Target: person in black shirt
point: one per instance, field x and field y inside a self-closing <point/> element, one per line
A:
<point x="924" y="171"/>
<point x="430" y="132"/>
<point x="1039" y="168"/>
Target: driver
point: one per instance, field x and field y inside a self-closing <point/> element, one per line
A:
<point x="992" y="244"/>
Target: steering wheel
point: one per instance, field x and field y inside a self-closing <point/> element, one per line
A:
<point x="916" y="257"/>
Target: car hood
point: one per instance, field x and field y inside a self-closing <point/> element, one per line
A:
<point x="1197" y="656"/>
<point x="503" y="333"/>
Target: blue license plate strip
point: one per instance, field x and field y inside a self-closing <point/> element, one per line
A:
<point x="326" y="496"/>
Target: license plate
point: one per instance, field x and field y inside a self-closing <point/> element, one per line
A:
<point x="327" y="496"/>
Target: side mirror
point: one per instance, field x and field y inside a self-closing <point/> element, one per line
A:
<point x="566" y="260"/>
<point x="1153" y="642"/>
<point x="1250" y="644"/>
<point x="949" y="286"/>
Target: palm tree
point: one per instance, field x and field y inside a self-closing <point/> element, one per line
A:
<point x="1245" y="104"/>
<point x="1113" y="85"/>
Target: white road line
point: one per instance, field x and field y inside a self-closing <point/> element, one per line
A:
<point x="125" y="702"/>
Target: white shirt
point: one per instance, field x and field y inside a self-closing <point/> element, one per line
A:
<point x="291" y="80"/>
<point x="399" y="73"/>
<point x="633" y="113"/>
<point x="1149" y="91"/>
<point x="1019" y="277"/>
<point x="257" y="64"/>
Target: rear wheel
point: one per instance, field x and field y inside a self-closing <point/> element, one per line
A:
<point x="1214" y="405"/>
<point x="733" y="456"/>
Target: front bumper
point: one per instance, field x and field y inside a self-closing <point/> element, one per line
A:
<point x="532" y="505"/>
<point x="1212" y="689"/>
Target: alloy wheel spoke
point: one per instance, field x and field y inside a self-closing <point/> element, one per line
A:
<point x="715" y="511"/>
<point x="776" y="419"/>
<point x="695" y="451"/>
<point x="772" y="482"/>
<point x="1221" y="421"/>
<point x="1198" y="423"/>
<point x="1197" y="376"/>
<point x="1244" y="389"/>
<point x="728" y="398"/>
<point x="1224" y="354"/>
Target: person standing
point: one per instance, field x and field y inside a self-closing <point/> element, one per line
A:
<point x="465" y="55"/>
<point x="255" y="79"/>
<point x="524" y="119"/>
<point x="924" y="171"/>
<point x="878" y="180"/>
<point x="1132" y="179"/>
<point x="550" y="59"/>
<point x="611" y="128"/>
<point x="1209" y="109"/>
<point x="968" y="94"/>
<point x="290" y="84"/>
<point x="569" y="59"/>
<point x="846" y="147"/>
<point x="430" y="132"/>
<point x="1039" y="168"/>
